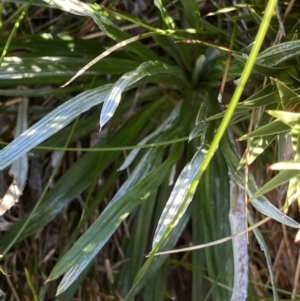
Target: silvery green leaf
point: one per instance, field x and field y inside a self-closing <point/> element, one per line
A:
<point x="112" y="100"/>
<point x="51" y="124"/>
<point x="135" y="190"/>
<point x="71" y="6"/>
<point x="199" y="128"/>
<point x="180" y="197"/>
<point x="276" y="54"/>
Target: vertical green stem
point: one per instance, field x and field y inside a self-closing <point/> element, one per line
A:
<point x="13" y="32"/>
<point x="243" y="80"/>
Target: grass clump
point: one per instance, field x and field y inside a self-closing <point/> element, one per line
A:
<point x="171" y="86"/>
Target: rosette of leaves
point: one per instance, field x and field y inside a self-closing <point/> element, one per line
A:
<point x="156" y="91"/>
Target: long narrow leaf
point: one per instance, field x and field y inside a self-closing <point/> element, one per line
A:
<point x="113" y="98"/>
<point x="152" y="264"/>
<point x="87" y="247"/>
<point x="51" y="124"/>
<point x="83" y="173"/>
<point x="181" y="196"/>
<point x="173" y="116"/>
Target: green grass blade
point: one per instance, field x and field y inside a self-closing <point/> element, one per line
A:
<point x="214" y="192"/>
<point x="75" y="7"/>
<point x="57" y="69"/>
<point x="137" y="245"/>
<point x="281" y="178"/>
<point x="192" y="13"/>
<point x="289" y="118"/>
<point x="274" y="127"/>
<point x="165" y="125"/>
<point x="13" y="32"/>
<point x="279" y="53"/>
<point x="264" y="100"/>
<point x="168" y="20"/>
<point x="112" y="31"/>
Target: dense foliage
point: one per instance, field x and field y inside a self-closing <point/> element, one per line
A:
<point x="175" y="84"/>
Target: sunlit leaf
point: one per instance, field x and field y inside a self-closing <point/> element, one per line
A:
<point x="114" y="96"/>
<point x="83" y="173"/>
<point x="286" y="94"/>
<point x="55" y="69"/>
<point x="257" y="146"/>
<point x="290" y="119"/>
<point x="180" y="197"/>
<point x="265" y="100"/>
<point x="274" y="127"/>
<point x="51" y="124"/>
<point x="137" y="188"/>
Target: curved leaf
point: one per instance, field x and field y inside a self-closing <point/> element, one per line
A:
<point x="113" y="98"/>
<point x="260" y="101"/>
<point x="274" y="127"/>
<point x="279" y="53"/>
<point x="56" y="69"/>
<point x="51" y="124"/>
<point x="83" y="173"/>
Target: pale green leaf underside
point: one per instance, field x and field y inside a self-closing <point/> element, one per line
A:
<point x="51" y="124"/>
<point x="134" y="190"/>
<point x="113" y="98"/>
<point x="276" y="54"/>
<point x="257" y="146"/>
<point x="180" y="197"/>
<point x="286" y="165"/>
